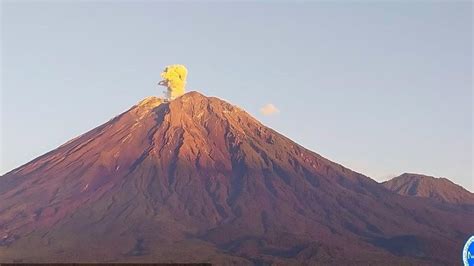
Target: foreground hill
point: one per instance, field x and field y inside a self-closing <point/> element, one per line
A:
<point x="200" y="180"/>
<point x="439" y="189"/>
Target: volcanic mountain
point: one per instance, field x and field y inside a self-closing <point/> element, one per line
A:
<point x="199" y="180"/>
<point x="440" y="189"/>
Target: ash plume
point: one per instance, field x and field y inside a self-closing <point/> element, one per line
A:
<point x="174" y="79"/>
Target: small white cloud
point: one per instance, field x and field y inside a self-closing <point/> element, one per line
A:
<point x="269" y="109"/>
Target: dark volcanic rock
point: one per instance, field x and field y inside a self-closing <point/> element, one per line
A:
<point x="200" y="180"/>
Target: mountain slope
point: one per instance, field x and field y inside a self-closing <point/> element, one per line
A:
<point x="440" y="189"/>
<point x="198" y="179"/>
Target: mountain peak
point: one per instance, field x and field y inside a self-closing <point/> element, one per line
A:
<point x="437" y="188"/>
<point x="192" y="94"/>
<point x="195" y="97"/>
<point x="427" y="178"/>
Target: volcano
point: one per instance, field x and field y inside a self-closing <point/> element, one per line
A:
<point x="199" y="180"/>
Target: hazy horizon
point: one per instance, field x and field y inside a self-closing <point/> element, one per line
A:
<point x="381" y="88"/>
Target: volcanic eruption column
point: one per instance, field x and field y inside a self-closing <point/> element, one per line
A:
<point x="174" y="78"/>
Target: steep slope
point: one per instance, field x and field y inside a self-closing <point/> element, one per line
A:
<point x="198" y="179"/>
<point x="440" y="189"/>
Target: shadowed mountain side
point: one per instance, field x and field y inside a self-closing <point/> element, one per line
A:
<point x="166" y="181"/>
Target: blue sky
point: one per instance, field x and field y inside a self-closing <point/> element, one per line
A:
<point x="382" y="88"/>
